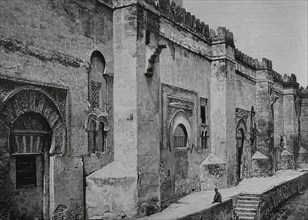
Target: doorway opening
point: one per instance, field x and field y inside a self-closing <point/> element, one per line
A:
<point x="30" y="141"/>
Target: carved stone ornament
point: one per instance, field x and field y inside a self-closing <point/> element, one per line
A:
<point x="152" y="60"/>
<point x="17" y="106"/>
<point x="97" y="118"/>
<point x="242" y="113"/>
<point x="179" y="102"/>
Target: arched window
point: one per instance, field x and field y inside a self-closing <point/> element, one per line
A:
<point x="92" y="137"/>
<point x="101" y="138"/>
<point x="180" y="136"/>
<point x="97" y="83"/>
<point x="30" y="138"/>
<point x="204" y="139"/>
<point x="97" y="128"/>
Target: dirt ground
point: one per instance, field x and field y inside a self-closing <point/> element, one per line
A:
<point x="294" y="209"/>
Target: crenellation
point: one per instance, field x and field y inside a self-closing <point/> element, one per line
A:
<point x="277" y="77"/>
<point x="179" y="15"/>
<point x="223" y="34"/>
<point x="174" y="93"/>
<point x="251" y="62"/>
<point x="188" y="19"/>
<point x="266" y="64"/>
<point x="289" y="79"/>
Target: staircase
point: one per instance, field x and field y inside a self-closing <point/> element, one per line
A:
<point x="247" y="206"/>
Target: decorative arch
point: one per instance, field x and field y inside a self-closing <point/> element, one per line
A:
<point x="98" y="62"/>
<point x="29" y="99"/>
<point x="180" y="118"/>
<point x="97" y="82"/>
<point x="97" y="118"/>
<point x="240" y="145"/>
<point x="97" y="126"/>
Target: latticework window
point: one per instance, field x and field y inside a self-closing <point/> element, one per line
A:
<point x="180" y="136"/>
<point x="95" y="94"/>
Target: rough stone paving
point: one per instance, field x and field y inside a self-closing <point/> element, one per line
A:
<point x="112" y="109"/>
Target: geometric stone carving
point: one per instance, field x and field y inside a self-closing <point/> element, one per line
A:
<point x="285" y="152"/>
<point x="213" y="173"/>
<point x="179" y="102"/>
<point x="259" y="156"/>
<point x="286" y="160"/>
<point x="302" y="155"/>
<point x="24" y="100"/>
<point x="259" y="164"/>
<point x="95" y="94"/>
<point x="34" y="101"/>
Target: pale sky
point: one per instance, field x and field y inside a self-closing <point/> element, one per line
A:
<point x="276" y="29"/>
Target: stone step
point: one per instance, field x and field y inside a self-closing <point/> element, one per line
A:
<point x="249" y="198"/>
<point x="247" y="205"/>
<point x="246" y="214"/>
<point x="255" y="195"/>
<point x="246" y="218"/>
<point x="248" y="201"/>
<point x="239" y="210"/>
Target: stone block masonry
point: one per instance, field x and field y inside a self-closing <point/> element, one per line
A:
<point x="135" y="104"/>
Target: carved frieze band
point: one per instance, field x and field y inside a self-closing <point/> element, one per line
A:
<point x="178" y="102"/>
<point x="34" y="101"/>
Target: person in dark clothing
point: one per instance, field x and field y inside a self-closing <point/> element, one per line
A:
<point x="217" y="196"/>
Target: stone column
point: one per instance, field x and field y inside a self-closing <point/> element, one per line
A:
<point x="223" y="127"/>
<point x="265" y="101"/>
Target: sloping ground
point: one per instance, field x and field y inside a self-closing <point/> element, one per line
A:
<point x="201" y="201"/>
<point x="295" y="208"/>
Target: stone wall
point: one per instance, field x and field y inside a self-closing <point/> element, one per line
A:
<point x="279" y="194"/>
<point x="49" y="44"/>
<point x="148" y="114"/>
<point x="122" y="172"/>
<point x="221" y="211"/>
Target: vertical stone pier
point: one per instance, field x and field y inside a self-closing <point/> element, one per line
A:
<point x="223" y="143"/>
<point x="265" y="100"/>
<point x="291" y="131"/>
<point x="112" y="190"/>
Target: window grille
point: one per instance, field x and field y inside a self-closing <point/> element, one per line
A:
<point x="25" y="171"/>
<point x="95" y="94"/>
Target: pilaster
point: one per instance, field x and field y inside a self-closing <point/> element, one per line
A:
<point x="265" y="101"/>
<point x="290" y="100"/>
<point x="222" y="91"/>
<point x="112" y="190"/>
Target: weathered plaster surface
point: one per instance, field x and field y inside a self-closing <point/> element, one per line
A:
<point x="124" y="167"/>
<point x="50" y="42"/>
<point x="279" y="194"/>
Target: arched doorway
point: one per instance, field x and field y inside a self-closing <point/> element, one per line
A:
<point x="240" y="139"/>
<point x="30" y="141"/>
<point x="31" y="127"/>
<point x="173" y="183"/>
<point x="180" y="157"/>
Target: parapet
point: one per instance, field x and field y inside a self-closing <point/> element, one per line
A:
<point x="277" y="77"/>
<point x="222" y="34"/>
<point x="244" y="58"/>
<point x="289" y="79"/>
<point x="254" y="63"/>
<point x="303" y="90"/>
<point x="178" y="14"/>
